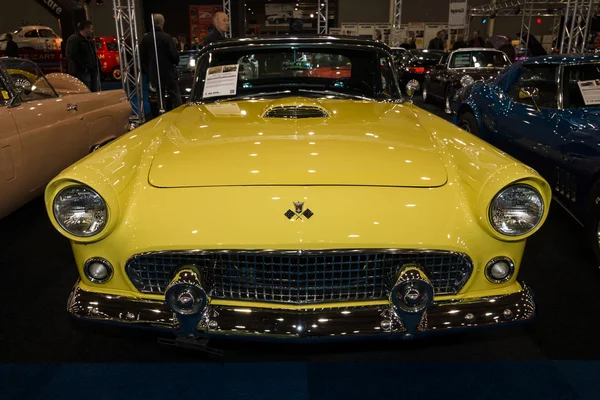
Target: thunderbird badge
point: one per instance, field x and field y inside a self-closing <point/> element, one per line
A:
<point x="298" y="214"/>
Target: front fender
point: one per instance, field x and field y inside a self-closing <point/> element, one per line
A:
<point x="464" y="101"/>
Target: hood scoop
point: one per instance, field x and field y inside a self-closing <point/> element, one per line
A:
<point x="296" y="112"/>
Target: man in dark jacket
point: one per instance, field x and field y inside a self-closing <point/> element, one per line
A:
<point x="509" y="50"/>
<point x="82" y="58"/>
<point x="12" y="49"/>
<point x="220" y="26"/>
<point x="437" y="43"/>
<point x="168" y="58"/>
<point x="476" y="40"/>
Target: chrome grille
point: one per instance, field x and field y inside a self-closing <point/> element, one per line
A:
<point x="293" y="277"/>
<point x="296" y="112"/>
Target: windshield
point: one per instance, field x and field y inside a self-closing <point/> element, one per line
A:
<point x="250" y="71"/>
<point x="581" y="86"/>
<point x="479" y="59"/>
<point x="112" y="46"/>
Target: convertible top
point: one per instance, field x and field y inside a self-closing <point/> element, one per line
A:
<point x="299" y="39"/>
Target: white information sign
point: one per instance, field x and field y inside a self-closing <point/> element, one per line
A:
<point x="590" y="90"/>
<point x="457" y="17"/>
<point x="221" y="81"/>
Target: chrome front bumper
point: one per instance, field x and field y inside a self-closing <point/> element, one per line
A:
<point x="309" y="323"/>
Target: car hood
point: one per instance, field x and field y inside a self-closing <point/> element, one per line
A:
<point x="360" y="143"/>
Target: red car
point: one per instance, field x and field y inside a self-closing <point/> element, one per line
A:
<point x="108" y="54"/>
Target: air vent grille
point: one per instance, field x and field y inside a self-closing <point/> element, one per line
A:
<point x="295" y="112"/>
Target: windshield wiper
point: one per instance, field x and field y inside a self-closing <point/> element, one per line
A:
<point x="334" y="93"/>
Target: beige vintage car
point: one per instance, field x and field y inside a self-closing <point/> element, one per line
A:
<point x="47" y="122"/>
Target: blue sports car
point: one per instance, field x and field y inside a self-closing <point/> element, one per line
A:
<point x="545" y="111"/>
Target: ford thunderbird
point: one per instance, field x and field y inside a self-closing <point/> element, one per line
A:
<point x="293" y="206"/>
<point x="48" y="122"/>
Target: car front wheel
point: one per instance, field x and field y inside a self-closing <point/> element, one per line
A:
<point x="468" y="122"/>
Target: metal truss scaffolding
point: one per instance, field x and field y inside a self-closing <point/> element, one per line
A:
<point x="322" y="17"/>
<point x="576" y="24"/>
<point x="129" y="57"/>
<point x="397" y="14"/>
<point x="572" y="19"/>
<point x="227" y="10"/>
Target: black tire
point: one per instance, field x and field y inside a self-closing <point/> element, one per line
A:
<point x="425" y="92"/>
<point x="467" y="122"/>
<point x="592" y="231"/>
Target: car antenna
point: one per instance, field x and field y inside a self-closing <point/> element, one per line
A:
<point x="161" y="111"/>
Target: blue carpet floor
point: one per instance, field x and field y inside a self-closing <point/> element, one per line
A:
<point x="315" y="381"/>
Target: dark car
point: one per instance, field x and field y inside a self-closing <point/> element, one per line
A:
<point x="462" y="68"/>
<point x="545" y="111"/>
<point x="186" y="69"/>
<point x="415" y="64"/>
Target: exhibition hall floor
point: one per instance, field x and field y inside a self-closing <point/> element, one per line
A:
<point x="38" y="272"/>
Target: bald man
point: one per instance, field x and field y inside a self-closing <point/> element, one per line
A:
<point x="220" y="26"/>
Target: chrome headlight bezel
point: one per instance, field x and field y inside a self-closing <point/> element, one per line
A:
<point x="466" y="80"/>
<point x="538" y="219"/>
<point x="103" y="209"/>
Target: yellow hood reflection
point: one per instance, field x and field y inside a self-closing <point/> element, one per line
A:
<point x="360" y="143"/>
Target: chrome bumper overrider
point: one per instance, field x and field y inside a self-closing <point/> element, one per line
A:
<point x="312" y="322"/>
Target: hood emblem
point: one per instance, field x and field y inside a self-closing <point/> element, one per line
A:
<point x="299" y="213"/>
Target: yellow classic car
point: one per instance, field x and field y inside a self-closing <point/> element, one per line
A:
<point x="287" y="206"/>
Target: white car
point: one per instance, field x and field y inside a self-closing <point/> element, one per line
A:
<point x="281" y="17"/>
<point x="33" y="37"/>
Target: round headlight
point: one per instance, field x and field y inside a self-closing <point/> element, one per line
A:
<point x="80" y="211"/>
<point x="466" y="80"/>
<point x="516" y="210"/>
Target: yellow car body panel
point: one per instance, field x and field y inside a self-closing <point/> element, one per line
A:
<point x="376" y="175"/>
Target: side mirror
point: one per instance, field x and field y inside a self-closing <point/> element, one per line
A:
<point x="411" y="87"/>
<point x="531" y="93"/>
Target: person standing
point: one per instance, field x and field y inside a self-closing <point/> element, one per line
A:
<point x="460" y="43"/>
<point x="509" y="50"/>
<point x="168" y="58"/>
<point x="12" y="49"/>
<point x="437" y="43"/>
<point x="220" y="26"/>
<point x="476" y="40"/>
<point x="82" y="58"/>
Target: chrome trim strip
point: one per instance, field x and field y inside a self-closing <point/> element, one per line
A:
<point x="309" y="323"/>
<point x="301" y="252"/>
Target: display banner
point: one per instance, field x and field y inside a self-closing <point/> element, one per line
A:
<point x="383" y="33"/>
<point x="365" y="31"/>
<point x="416" y="30"/>
<point x="457" y="17"/>
<point x="335" y="31"/>
<point x="278" y="14"/>
<point x="350" y="29"/>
